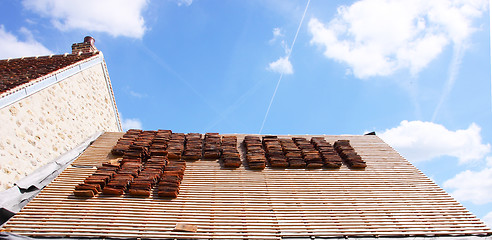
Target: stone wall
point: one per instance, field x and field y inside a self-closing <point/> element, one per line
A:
<point x="41" y="127"/>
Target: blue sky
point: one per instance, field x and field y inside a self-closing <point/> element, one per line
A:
<point x="416" y="72"/>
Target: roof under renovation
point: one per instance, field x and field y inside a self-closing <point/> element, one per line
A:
<point x="388" y="198"/>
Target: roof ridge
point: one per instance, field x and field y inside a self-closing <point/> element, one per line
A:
<point x="51" y="55"/>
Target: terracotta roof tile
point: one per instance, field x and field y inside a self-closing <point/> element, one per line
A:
<point x="19" y="71"/>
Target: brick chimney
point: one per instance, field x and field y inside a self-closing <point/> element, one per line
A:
<point x="85" y="47"/>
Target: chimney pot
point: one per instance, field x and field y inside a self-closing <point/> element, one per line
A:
<point x="89" y="39"/>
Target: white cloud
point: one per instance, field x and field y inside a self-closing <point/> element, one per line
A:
<point x="488" y="219"/>
<point x="282" y="66"/>
<point x="12" y="47"/>
<point x="419" y="141"/>
<point x="115" y="17"/>
<point x="277" y="33"/>
<point x="278" y="36"/>
<point x="379" y="37"/>
<point x="472" y="186"/>
<point x="186" y="3"/>
<point x="131" y="123"/>
<point x="137" y="94"/>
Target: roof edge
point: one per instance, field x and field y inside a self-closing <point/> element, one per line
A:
<point x="111" y="93"/>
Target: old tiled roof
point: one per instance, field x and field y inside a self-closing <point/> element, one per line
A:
<point x="19" y="71"/>
<point x="387" y="198"/>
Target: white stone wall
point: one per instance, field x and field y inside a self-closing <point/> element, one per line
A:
<point x="41" y="127"/>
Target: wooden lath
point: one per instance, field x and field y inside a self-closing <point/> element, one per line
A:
<point x="389" y="198"/>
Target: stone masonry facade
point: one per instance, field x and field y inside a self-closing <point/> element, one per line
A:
<point x="42" y="126"/>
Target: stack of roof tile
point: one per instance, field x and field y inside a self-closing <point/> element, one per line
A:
<point x="144" y="165"/>
<point x="193" y="147"/>
<point x="310" y="155"/>
<point x="139" y="150"/>
<point x="255" y="155"/>
<point x="328" y="154"/>
<point x="230" y="157"/>
<point x="175" y="146"/>
<point x="170" y="179"/>
<point x="211" y="148"/>
<point x="348" y="154"/>
<point x="292" y="153"/>
<point x="118" y="184"/>
<point x="142" y="185"/>
<point x="159" y="143"/>
<point x="124" y="142"/>
<point x="274" y="153"/>
<point x="153" y="168"/>
<point x="131" y="164"/>
<point x="94" y="183"/>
